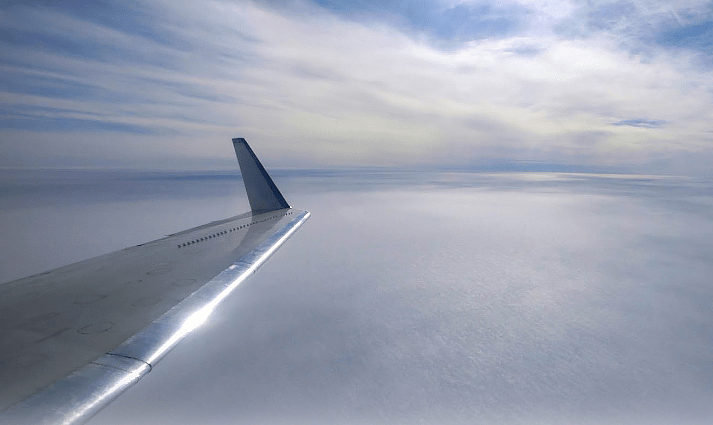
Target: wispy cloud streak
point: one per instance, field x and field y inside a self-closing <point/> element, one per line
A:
<point x="640" y="122"/>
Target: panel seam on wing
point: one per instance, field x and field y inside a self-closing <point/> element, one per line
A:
<point x="126" y="357"/>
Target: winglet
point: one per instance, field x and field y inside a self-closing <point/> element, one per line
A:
<point x="262" y="192"/>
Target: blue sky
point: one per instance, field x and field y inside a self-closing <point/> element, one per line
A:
<point x="329" y="83"/>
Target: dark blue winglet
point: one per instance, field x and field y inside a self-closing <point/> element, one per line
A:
<point x="262" y="192"/>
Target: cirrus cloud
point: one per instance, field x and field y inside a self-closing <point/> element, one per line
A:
<point x="340" y="84"/>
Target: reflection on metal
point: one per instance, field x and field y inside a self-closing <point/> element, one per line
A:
<point x="152" y="343"/>
<point x="79" y="396"/>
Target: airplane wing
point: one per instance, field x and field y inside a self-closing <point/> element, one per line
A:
<point x="74" y="338"/>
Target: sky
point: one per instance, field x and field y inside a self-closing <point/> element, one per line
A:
<point x="518" y="84"/>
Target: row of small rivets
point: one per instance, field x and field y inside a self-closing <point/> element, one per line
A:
<point x="225" y="232"/>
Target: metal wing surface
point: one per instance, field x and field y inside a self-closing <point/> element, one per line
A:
<point x="74" y="338"/>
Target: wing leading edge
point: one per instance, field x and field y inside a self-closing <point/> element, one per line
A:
<point x="74" y="338"/>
